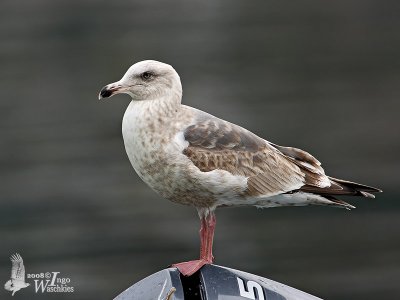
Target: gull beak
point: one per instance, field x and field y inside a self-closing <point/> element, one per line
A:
<point x="111" y="89"/>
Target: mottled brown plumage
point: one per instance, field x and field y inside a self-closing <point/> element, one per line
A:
<point x="271" y="169"/>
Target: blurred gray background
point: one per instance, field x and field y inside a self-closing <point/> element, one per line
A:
<point x="323" y="76"/>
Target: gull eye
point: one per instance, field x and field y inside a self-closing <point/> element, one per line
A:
<point x="146" y="75"/>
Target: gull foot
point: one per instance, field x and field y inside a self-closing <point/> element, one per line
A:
<point x="188" y="268"/>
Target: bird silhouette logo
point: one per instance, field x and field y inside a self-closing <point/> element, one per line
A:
<point x="17" y="280"/>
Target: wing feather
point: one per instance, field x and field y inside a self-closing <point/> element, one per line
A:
<point x="217" y="144"/>
<point x="18" y="268"/>
<point x="270" y="169"/>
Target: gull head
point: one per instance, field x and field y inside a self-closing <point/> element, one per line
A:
<point x="146" y="80"/>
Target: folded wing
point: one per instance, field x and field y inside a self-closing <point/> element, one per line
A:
<point x="217" y="144"/>
<point x="271" y="169"/>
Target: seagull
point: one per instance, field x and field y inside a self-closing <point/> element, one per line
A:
<point x="17" y="280"/>
<point x="194" y="158"/>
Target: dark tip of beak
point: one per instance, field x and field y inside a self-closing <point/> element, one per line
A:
<point x="105" y="92"/>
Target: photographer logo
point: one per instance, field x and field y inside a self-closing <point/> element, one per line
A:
<point x="44" y="282"/>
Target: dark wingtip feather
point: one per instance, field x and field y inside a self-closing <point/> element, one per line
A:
<point x="357" y="186"/>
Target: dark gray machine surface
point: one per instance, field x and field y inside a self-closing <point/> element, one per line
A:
<point x="212" y="282"/>
<point x="221" y="283"/>
<point x="163" y="285"/>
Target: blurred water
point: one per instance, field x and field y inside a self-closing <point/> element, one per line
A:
<point x="322" y="76"/>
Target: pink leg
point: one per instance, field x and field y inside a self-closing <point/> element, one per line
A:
<point x="207" y="229"/>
